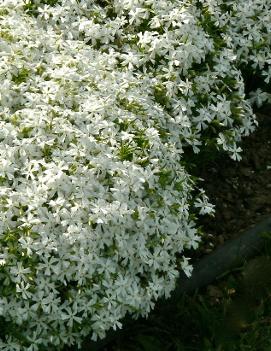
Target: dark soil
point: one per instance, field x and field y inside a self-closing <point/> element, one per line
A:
<point x="240" y="191"/>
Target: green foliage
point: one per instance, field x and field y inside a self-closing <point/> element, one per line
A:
<point x="126" y="152"/>
<point x="160" y="95"/>
<point x="21" y="76"/>
<point x="50" y="2"/>
<point x="31" y="6"/>
<point x="4" y="34"/>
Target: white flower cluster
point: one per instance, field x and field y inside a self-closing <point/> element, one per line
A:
<point x="248" y="28"/>
<point x="99" y="101"/>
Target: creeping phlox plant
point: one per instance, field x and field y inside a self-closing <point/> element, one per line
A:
<point x="99" y="102"/>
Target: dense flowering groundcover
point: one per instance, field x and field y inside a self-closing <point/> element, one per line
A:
<point x="99" y="102"/>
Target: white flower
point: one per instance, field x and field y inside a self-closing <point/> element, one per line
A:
<point x="22" y="288"/>
<point x="186" y="267"/>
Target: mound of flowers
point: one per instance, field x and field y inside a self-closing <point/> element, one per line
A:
<point x="100" y="100"/>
